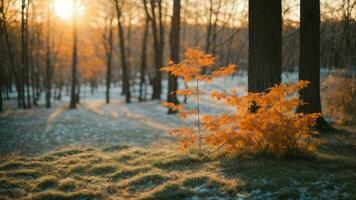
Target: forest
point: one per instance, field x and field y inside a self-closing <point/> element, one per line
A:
<point x="177" y="99"/>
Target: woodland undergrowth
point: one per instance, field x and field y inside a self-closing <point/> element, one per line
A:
<point x="273" y="128"/>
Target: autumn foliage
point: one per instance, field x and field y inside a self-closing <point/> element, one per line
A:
<point x="340" y="98"/>
<point x="274" y="128"/>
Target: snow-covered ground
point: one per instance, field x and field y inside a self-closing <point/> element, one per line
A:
<point x="97" y="123"/>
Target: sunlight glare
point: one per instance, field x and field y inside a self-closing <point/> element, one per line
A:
<point x="64" y="9"/>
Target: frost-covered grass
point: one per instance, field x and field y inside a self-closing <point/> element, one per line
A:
<point x="99" y="166"/>
<point x="124" y="172"/>
<point x="96" y="123"/>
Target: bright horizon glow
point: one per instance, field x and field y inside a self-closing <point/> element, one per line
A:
<point x="64" y="9"/>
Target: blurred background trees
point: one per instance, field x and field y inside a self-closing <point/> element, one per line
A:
<point x="124" y="43"/>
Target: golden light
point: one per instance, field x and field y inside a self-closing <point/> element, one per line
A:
<point x="64" y="9"/>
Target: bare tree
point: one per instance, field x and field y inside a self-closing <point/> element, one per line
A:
<point x="144" y="59"/>
<point x="108" y="46"/>
<point x="348" y="6"/>
<point x="125" y="72"/>
<point x="23" y="53"/>
<point x="74" y="95"/>
<point x="48" y="58"/>
<point x="158" y="43"/>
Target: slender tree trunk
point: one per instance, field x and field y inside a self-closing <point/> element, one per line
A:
<point x="23" y="54"/>
<point x="33" y="80"/>
<point x="144" y="59"/>
<point x="32" y="48"/>
<point x="48" y="59"/>
<point x="12" y="65"/>
<point x="1" y="96"/>
<point x="27" y="64"/>
<point x="2" y="85"/>
<point x="158" y="43"/>
<point x="209" y="28"/>
<point x="60" y="89"/>
<point x="265" y="48"/>
<point x="2" y="22"/>
<point x="109" y="61"/>
<point x="125" y="72"/>
<point x="174" y="43"/>
<point x="309" y="59"/>
<point x="36" y="67"/>
<point x="73" y="97"/>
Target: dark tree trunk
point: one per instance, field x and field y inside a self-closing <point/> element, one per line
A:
<point x="2" y="86"/>
<point x="1" y="96"/>
<point x="31" y="61"/>
<point x="36" y="68"/>
<point x="209" y="28"/>
<point x="11" y="58"/>
<point x="74" y="97"/>
<point x="174" y="43"/>
<point x="265" y="47"/>
<point x="144" y="60"/>
<point x="158" y="44"/>
<point x="48" y="60"/>
<point x="2" y="22"/>
<point x="27" y="58"/>
<point x="125" y="72"/>
<point x="109" y="61"/>
<point x="309" y="59"/>
<point x="23" y="54"/>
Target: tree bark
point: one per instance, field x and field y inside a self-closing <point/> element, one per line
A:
<point x="23" y="54"/>
<point x="144" y="59"/>
<point x="74" y="97"/>
<point x="265" y="46"/>
<point x="48" y="60"/>
<point x="2" y="85"/>
<point x="174" y="43"/>
<point x="125" y="72"/>
<point x="109" y="51"/>
<point x="11" y="58"/>
<point x="209" y="27"/>
<point x="309" y="59"/>
<point x="158" y="44"/>
<point x="27" y="58"/>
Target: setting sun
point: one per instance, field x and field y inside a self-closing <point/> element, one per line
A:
<point x="64" y="8"/>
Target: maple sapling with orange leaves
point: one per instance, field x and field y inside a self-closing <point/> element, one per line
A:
<point x="190" y="69"/>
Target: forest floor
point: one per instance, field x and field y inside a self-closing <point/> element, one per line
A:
<point x="123" y="172"/>
<point x="94" y="123"/>
<point x="124" y="151"/>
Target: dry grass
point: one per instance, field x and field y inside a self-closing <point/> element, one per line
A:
<point x="135" y="173"/>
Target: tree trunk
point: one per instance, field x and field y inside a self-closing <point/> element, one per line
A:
<point x="23" y="54"/>
<point x="2" y="22"/>
<point x="2" y="86"/>
<point x="209" y="28"/>
<point x="27" y="64"/>
<point x="12" y="63"/>
<point x="74" y="97"/>
<point x="125" y="72"/>
<point x="158" y="44"/>
<point x="265" y="48"/>
<point x="309" y="59"/>
<point x="144" y="59"/>
<point x="109" y="61"/>
<point x="1" y="96"/>
<point x="48" y="60"/>
<point x="174" y="43"/>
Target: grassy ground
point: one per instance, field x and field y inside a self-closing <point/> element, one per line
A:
<point x="123" y="172"/>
